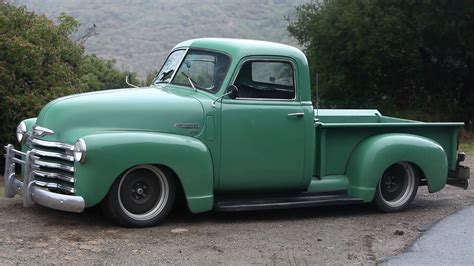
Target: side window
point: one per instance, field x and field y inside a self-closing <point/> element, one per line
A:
<point x="266" y="80"/>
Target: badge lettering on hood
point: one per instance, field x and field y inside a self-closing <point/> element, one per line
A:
<point x="187" y="125"/>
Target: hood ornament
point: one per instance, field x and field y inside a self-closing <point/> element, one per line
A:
<point x="41" y="131"/>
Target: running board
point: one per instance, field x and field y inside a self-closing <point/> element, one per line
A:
<point x="283" y="202"/>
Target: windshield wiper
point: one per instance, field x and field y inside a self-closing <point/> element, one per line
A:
<point x="190" y="80"/>
<point x="165" y="76"/>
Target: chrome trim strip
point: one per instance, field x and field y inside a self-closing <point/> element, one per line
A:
<point x="16" y="160"/>
<point x="33" y="194"/>
<point x="54" y="165"/>
<point x="15" y="152"/>
<point x="179" y="65"/>
<point x="19" y="153"/>
<point x="54" y="185"/>
<point x="52" y="144"/>
<point x="55" y="175"/>
<point x="28" y="180"/>
<point x="53" y="154"/>
<point x="154" y="82"/>
<point x="296" y="114"/>
<point x="9" y="174"/>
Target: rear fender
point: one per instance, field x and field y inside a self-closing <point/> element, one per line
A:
<point x="110" y="154"/>
<point x="375" y="154"/>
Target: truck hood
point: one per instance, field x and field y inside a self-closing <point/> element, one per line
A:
<point x="145" y="109"/>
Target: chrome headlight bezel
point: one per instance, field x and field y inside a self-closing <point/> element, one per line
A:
<point x="21" y="132"/>
<point x="80" y="151"/>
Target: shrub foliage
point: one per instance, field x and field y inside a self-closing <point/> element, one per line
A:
<point x="39" y="62"/>
<point x="408" y="58"/>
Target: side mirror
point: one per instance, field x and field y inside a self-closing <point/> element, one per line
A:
<point x="232" y="91"/>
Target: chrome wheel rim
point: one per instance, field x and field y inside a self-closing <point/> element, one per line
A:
<point x="143" y="192"/>
<point x="397" y="184"/>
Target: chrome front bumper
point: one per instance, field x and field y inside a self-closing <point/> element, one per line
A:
<point x="32" y="193"/>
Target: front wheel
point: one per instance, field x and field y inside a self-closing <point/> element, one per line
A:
<point x="397" y="187"/>
<point x="143" y="196"/>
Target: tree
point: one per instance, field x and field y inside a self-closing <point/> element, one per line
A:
<point x="39" y="62"/>
<point x="411" y="58"/>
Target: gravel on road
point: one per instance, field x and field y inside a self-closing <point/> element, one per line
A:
<point x="323" y="235"/>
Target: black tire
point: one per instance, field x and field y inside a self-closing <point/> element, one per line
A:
<point x="396" y="188"/>
<point x="143" y="196"/>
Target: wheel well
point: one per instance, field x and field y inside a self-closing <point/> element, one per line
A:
<point x="419" y="174"/>
<point x="180" y="196"/>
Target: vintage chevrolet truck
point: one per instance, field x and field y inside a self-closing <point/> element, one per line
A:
<point x="227" y="125"/>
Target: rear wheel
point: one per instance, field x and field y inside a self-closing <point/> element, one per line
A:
<point x="397" y="187"/>
<point x="143" y="196"/>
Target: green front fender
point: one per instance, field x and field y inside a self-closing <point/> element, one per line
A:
<point x="110" y="154"/>
<point x="375" y="154"/>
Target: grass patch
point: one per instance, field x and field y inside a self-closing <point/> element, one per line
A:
<point x="2" y="189"/>
<point x="467" y="147"/>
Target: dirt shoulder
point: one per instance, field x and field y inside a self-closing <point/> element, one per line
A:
<point x="323" y="235"/>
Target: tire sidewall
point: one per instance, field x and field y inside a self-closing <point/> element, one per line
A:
<point x="113" y="209"/>
<point x="380" y="201"/>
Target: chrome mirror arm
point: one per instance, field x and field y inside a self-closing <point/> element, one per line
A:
<point x="130" y="84"/>
<point x="219" y="98"/>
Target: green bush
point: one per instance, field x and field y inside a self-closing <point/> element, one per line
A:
<point x="412" y="58"/>
<point x="39" y="62"/>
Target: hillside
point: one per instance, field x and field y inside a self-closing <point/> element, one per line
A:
<point x="139" y="34"/>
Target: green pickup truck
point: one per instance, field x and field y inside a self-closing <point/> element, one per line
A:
<point x="227" y="125"/>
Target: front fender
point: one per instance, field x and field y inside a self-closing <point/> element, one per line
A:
<point x="375" y="154"/>
<point x="110" y="154"/>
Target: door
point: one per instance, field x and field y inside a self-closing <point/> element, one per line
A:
<point x="263" y="130"/>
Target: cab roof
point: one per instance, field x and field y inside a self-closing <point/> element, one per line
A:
<point x="239" y="48"/>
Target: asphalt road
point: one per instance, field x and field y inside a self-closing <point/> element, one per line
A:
<point x="322" y="235"/>
<point x="449" y="242"/>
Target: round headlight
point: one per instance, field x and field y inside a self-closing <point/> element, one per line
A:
<point x="21" y="132"/>
<point x="80" y="151"/>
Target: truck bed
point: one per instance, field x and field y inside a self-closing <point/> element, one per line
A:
<point x="339" y="131"/>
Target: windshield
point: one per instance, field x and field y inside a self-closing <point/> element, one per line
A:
<point x="169" y="67"/>
<point x="204" y="70"/>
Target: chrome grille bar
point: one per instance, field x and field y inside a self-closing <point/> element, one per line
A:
<point x="54" y="165"/>
<point x="51" y="144"/>
<point x="51" y="162"/>
<point x="53" y="155"/>
<point x="54" y="186"/>
<point x="32" y="191"/>
<point x="55" y="175"/>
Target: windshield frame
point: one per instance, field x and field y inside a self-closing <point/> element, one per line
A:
<point x="187" y="49"/>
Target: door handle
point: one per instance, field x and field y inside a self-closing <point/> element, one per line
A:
<point x="296" y="114"/>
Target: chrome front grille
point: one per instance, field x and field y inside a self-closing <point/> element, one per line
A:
<point x="53" y="165"/>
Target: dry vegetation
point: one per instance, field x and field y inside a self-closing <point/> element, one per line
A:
<point x="139" y="34"/>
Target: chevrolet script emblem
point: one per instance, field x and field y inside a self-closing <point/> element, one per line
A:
<point x="186" y="125"/>
<point x="41" y="131"/>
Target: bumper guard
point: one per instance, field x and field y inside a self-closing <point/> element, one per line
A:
<point x="460" y="177"/>
<point x="31" y="193"/>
